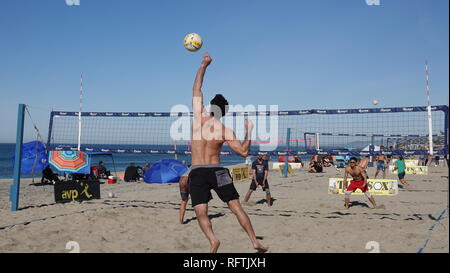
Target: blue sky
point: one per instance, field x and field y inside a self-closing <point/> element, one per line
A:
<point x="299" y="54"/>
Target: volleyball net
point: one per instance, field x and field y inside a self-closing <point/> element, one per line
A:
<point x="402" y="130"/>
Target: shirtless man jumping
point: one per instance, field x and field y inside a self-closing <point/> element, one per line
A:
<point x="206" y="173"/>
<point x="359" y="182"/>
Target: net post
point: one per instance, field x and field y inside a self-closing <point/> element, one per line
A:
<point x="15" y="186"/>
<point x="286" y="157"/>
<point x="430" y="131"/>
<point x="50" y="128"/>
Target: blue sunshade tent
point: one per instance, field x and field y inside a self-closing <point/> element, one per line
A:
<point x="165" y="171"/>
<point x="34" y="157"/>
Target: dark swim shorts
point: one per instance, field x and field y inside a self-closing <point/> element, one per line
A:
<point x="204" y="178"/>
<point x="253" y="186"/>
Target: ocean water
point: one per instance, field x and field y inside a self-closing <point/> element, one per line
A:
<point x="121" y="160"/>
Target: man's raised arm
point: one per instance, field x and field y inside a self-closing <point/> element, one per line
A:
<point x="197" y="95"/>
<point x="241" y="148"/>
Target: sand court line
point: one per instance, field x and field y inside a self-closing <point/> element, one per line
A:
<point x="430" y="230"/>
<point x="253" y="212"/>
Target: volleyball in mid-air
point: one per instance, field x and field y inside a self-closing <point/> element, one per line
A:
<point x="375" y="102"/>
<point x="193" y="42"/>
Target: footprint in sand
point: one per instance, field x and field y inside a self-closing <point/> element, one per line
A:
<point x="249" y="204"/>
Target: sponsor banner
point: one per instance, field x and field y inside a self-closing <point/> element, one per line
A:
<point x="276" y="165"/>
<point x="422" y="170"/>
<point x="408" y="162"/>
<point x="240" y="174"/>
<point x="387" y="187"/>
<point x="73" y="190"/>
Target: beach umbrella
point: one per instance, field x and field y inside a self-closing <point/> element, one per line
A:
<point x="70" y="161"/>
<point x="165" y="171"/>
<point x="34" y="157"/>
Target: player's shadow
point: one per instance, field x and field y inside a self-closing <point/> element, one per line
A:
<point x="357" y="203"/>
<point x="210" y="216"/>
<point x="40" y="184"/>
<point x="263" y="201"/>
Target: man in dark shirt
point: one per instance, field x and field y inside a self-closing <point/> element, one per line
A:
<point x="260" y="171"/>
<point x="102" y="171"/>
<point x="48" y="174"/>
<point x="132" y="173"/>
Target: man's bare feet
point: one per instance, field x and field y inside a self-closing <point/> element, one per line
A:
<point x="214" y="246"/>
<point x="380" y="207"/>
<point x="260" y="249"/>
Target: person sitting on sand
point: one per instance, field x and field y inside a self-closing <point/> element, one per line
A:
<point x="315" y="167"/>
<point x="326" y="162"/>
<point x="49" y="175"/>
<point x="132" y="173"/>
<point x="297" y="159"/>
<point x="359" y="182"/>
<point x="102" y="171"/>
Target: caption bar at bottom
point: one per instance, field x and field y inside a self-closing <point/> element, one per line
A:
<point x="212" y="264"/>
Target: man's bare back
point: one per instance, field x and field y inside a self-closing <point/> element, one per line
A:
<point x="207" y="149"/>
<point x="208" y="137"/>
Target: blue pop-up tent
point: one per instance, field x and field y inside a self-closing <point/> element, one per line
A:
<point x="165" y="171"/>
<point x="34" y="157"/>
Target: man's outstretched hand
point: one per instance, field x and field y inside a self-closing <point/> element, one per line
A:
<point x="206" y="59"/>
<point x="248" y="125"/>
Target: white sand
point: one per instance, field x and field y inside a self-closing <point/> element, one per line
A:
<point x="303" y="218"/>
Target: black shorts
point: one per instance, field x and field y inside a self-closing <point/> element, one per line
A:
<point x="401" y="175"/>
<point x="253" y="185"/>
<point x="203" y="180"/>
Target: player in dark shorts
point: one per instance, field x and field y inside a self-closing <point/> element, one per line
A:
<point x="260" y="171"/>
<point x="208" y="136"/>
<point x="382" y="163"/>
<point x="204" y="178"/>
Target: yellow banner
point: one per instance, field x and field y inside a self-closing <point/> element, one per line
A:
<point x="388" y="187"/>
<point x="276" y="165"/>
<point x="422" y="170"/>
<point x="408" y="162"/>
<point x="240" y="174"/>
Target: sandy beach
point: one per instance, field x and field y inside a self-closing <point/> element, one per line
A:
<point x="304" y="218"/>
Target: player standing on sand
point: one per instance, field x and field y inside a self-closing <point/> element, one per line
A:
<point x="260" y="171"/>
<point x="206" y="173"/>
<point x="184" y="192"/>
<point x="382" y="162"/>
<point x="359" y="182"/>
